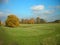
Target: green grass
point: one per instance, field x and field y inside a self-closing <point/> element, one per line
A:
<point x="31" y="34"/>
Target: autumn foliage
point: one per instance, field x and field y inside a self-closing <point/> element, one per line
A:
<point x="12" y="21"/>
<point x="31" y="21"/>
<point x="0" y="23"/>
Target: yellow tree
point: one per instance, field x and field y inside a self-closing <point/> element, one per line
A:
<point x="12" y="21"/>
<point x="31" y="21"/>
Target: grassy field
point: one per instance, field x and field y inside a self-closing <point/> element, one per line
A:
<point x="31" y="34"/>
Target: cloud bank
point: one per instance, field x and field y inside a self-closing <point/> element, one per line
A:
<point x="40" y="10"/>
<point x="49" y="12"/>
<point x="37" y="7"/>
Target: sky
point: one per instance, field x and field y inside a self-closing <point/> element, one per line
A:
<point x="48" y="10"/>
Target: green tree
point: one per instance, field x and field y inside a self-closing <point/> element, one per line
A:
<point x="38" y="20"/>
<point x="42" y="21"/>
<point x="12" y="21"/>
<point x="22" y="21"/>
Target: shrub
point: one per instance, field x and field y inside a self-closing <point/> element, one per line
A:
<point x="12" y="21"/>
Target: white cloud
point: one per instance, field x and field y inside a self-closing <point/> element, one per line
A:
<point x="7" y="11"/>
<point x="4" y="13"/>
<point x="37" y="7"/>
<point x="39" y="10"/>
<point x="1" y="13"/>
<point x="49" y="11"/>
<point x="56" y="7"/>
<point x="45" y="12"/>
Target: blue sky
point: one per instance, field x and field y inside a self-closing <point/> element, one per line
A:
<point x="46" y="9"/>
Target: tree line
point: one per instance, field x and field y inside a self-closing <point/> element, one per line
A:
<point x="32" y="21"/>
<point x="14" y="21"/>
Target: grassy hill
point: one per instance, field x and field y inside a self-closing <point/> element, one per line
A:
<point x="31" y="34"/>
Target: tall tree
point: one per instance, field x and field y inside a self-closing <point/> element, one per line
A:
<point x="38" y="20"/>
<point x="22" y="21"/>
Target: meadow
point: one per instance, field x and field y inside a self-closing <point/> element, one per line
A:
<point x="31" y="34"/>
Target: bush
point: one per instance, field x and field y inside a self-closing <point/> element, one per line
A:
<point x="12" y="21"/>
